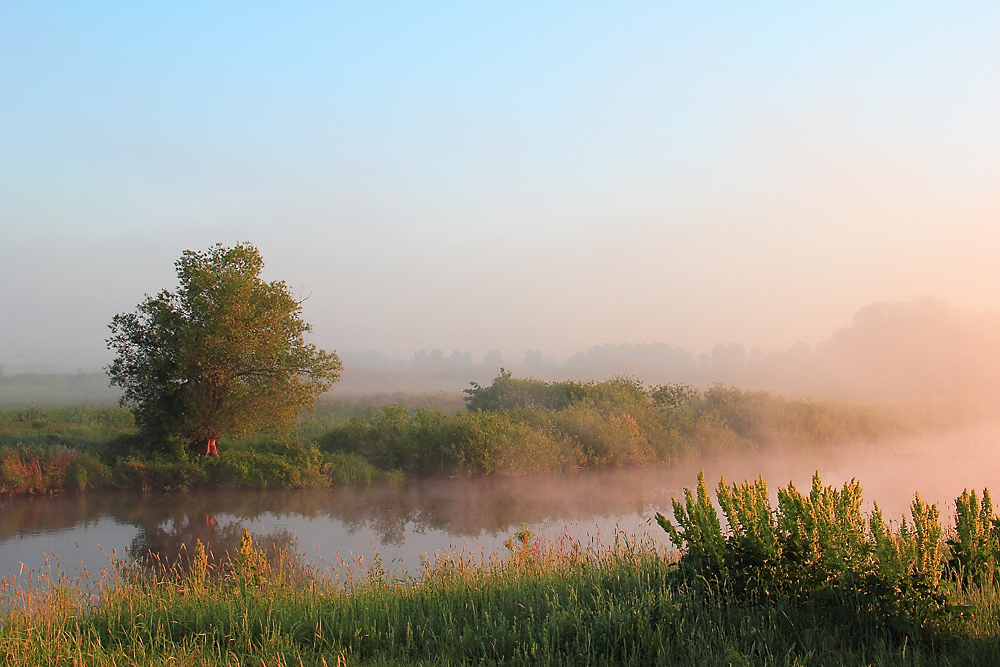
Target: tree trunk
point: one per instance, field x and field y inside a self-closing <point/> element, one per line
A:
<point x="205" y="447"/>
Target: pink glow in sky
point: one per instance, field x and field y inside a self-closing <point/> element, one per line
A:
<point x="500" y="176"/>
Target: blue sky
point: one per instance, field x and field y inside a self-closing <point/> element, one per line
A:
<point x="500" y="176"/>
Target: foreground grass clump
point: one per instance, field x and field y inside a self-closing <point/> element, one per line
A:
<point x="547" y="603"/>
<point x="818" y="550"/>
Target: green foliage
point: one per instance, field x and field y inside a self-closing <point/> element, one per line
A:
<point x="817" y="550"/>
<point x="503" y="443"/>
<point x="259" y="470"/>
<point x="551" y="427"/>
<point x="766" y="419"/>
<point x="79" y="427"/>
<point x="675" y="396"/>
<point x="249" y="569"/>
<point x="823" y="540"/>
<point x="225" y="354"/>
<point x="974" y="548"/>
<point x="507" y="393"/>
<point x="679" y="420"/>
<point x="698" y="533"/>
<point x="169" y="476"/>
<point x="428" y="442"/>
<point x="345" y="468"/>
<point x="198" y="569"/>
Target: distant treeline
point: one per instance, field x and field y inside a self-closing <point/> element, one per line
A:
<point x="917" y="350"/>
<point x="921" y="349"/>
<point x="511" y="426"/>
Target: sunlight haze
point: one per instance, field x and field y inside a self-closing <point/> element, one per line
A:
<point x="505" y="177"/>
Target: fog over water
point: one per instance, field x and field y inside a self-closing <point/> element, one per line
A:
<point x="475" y="515"/>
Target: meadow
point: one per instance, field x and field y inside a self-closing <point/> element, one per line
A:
<point x="510" y="427"/>
<point x="773" y="588"/>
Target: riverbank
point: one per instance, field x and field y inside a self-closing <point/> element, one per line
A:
<point x="511" y="427"/>
<point x="545" y="604"/>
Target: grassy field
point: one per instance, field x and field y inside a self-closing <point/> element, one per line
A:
<point x="547" y="603"/>
<point x="56" y="390"/>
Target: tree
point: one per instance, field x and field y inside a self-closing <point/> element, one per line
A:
<point x="224" y="355"/>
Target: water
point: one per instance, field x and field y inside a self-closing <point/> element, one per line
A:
<point x="412" y="522"/>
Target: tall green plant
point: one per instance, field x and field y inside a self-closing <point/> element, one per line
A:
<point x="816" y="548"/>
<point x="698" y="532"/>
<point x="974" y="549"/>
<point x="823" y="535"/>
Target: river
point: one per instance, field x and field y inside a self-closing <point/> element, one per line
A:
<point x="422" y="517"/>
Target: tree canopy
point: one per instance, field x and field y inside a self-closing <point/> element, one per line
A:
<point x="224" y="355"/>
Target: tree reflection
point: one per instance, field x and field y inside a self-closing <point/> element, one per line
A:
<point x="168" y="531"/>
<point x="169" y="525"/>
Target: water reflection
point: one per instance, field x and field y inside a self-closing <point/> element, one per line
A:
<point x="423" y="516"/>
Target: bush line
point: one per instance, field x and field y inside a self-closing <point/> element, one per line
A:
<point x="510" y="427"/>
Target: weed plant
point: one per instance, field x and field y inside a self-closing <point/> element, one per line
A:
<point x="817" y="550"/>
<point x="29" y="471"/>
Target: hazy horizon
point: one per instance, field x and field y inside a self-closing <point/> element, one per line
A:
<point x="501" y="177"/>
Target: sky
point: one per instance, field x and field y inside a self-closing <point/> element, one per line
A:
<point x="510" y="176"/>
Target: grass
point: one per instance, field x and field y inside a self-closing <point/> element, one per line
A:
<point x="37" y="389"/>
<point x="754" y="594"/>
<point x="547" y="603"/>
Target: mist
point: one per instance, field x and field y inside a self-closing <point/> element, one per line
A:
<point x="924" y="349"/>
<point x="507" y="179"/>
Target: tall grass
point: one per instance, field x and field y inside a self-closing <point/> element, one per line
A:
<point x="29" y="471"/>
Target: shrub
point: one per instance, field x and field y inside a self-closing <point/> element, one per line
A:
<point x="816" y="549"/>
<point x="159" y="475"/>
<point x="484" y="443"/>
<point x="507" y="393"/>
<point x="346" y="468"/>
<point x="974" y="548"/>
<point x="261" y="470"/>
<point x="607" y="435"/>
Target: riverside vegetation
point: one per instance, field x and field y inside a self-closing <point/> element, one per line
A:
<point x="512" y="426"/>
<point x="812" y="582"/>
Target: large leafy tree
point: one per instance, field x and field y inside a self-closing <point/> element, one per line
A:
<point x="224" y="355"/>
